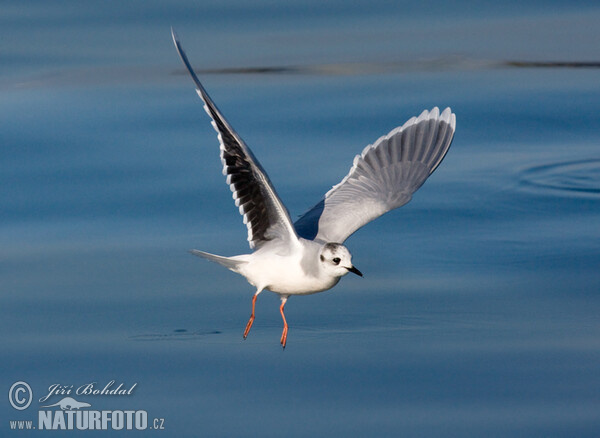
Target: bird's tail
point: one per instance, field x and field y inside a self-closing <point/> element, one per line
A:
<point x="232" y="263"/>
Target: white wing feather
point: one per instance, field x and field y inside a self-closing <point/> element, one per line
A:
<point x="383" y="177"/>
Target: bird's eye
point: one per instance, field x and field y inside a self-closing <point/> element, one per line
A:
<point x="336" y="260"/>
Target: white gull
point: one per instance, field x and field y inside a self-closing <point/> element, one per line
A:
<point x="308" y="256"/>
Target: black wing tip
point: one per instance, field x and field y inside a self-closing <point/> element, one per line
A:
<point x="178" y="47"/>
<point x="188" y="66"/>
<point x="175" y="36"/>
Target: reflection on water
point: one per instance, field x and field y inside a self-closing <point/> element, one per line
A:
<point x="478" y="312"/>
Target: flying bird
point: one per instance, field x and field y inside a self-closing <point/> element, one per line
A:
<point x="308" y="256"/>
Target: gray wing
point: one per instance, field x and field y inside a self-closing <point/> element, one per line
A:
<point x="383" y="177"/>
<point x="264" y="214"/>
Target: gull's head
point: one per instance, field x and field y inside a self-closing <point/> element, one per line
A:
<point x="336" y="260"/>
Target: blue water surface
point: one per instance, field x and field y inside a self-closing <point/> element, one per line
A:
<point x="478" y="312"/>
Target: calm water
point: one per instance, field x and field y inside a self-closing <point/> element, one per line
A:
<point x="478" y="312"/>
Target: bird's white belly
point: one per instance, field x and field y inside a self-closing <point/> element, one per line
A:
<point x="285" y="275"/>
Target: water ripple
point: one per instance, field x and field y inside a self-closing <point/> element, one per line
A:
<point x="126" y="74"/>
<point x="176" y="335"/>
<point x="580" y="178"/>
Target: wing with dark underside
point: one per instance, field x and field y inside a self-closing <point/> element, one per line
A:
<point x="264" y="214"/>
<point x="383" y="177"/>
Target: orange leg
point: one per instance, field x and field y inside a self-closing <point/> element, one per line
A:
<point x="251" y="320"/>
<point x="285" y="326"/>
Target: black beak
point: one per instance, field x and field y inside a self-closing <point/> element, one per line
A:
<point x="355" y="271"/>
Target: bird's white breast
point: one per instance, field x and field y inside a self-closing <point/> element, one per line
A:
<point x="293" y="272"/>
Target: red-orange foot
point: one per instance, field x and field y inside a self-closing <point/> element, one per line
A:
<point x="285" y="326"/>
<point x="251" y="320"/>
<point x="284" y="336"/>
<point x="248" y="326"/>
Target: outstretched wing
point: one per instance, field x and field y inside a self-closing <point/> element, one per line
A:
<point x="264" y="214"/>
<point x="383" y="177"/>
